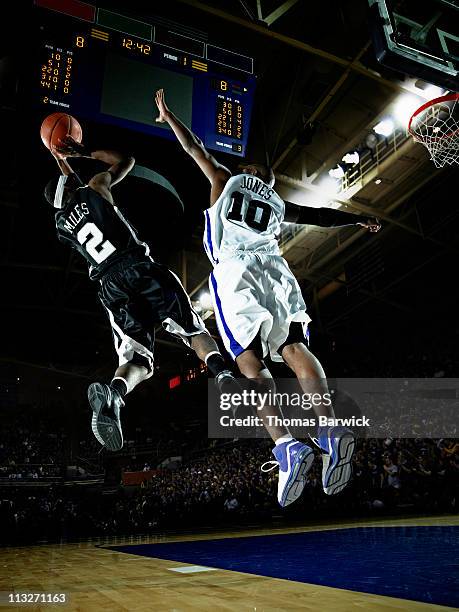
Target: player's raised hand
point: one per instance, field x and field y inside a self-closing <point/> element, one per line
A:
<point x="56" y="154"/>
<point x="162" y="106"/>
<point x="69" y="147"/>
<point x="373" y="224"/>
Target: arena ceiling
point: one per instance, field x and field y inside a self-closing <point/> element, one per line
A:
<point x="320" y="92"/>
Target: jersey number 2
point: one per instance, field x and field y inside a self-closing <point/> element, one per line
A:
<point x="91" y="237"/>
<point x="254" y="208"/>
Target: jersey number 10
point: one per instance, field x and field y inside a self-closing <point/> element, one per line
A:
<point x="257" y="214"/>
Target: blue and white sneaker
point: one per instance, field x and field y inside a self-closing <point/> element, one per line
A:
<point x="294" y="460"/>
<point x="337" y="445"/>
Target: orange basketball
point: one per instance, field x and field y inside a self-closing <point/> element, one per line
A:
<point x="58" y="126"/>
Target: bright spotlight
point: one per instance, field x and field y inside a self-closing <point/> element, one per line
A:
<point x="384" y="127"/>
<point x="336" y="173"/>
<point x="431" y="92"/>
<point x="329" y="185"/>
<point x="197" y="306"/>
<point x="205" y="300"/>
<point x="404" y="107"/>
<point x="351" y="158"/>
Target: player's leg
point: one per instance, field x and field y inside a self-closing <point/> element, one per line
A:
<point x="293" y="458"/>
<point x="107" y="399"/>
<point x="253" y="367"/>
<point x="134" y="347"/>
<point x="307" y="369"/>
<point x="287" y="342"/>
<point x="128" y="376"/>
<point x="207" y="351"/>
<point x="167" y="303"/>
<point x="239" y="299"/>
<point x="337" y="443"/>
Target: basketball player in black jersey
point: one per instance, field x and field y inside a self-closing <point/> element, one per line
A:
<point x="136" y="292"/>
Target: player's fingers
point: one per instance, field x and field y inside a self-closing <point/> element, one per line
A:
<point x="64" y="143"/>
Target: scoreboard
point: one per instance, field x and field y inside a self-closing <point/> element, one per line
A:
<point x="104" y="66"/>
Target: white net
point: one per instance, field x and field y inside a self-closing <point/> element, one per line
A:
<point x="437" y="127"/>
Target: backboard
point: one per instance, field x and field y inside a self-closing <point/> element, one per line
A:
<point x="418" y="38"/>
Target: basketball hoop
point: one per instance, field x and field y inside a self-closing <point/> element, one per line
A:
<point x="436" y="125"/>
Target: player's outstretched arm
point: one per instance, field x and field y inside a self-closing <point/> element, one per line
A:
<point x="120" y="164"/>
<point x="328" y="217"/>
<point x="214" y="171"/>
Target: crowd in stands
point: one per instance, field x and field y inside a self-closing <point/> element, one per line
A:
<point x="29" y="450"/>
<point x="215" y="482"/>
<point x="225" y="484"/>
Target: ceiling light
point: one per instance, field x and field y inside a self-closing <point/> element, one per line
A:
<point x="205" y="300"/>
<point x="431" y="92"/>
<point x="378" y="181"/>
<point x="197" y="306"/>
<point x="328" y="185"/>
<point x="336" y="173"/>
<point x="384" y="127"/>
<point x="351" y="158"/>
<point x="404" y="107"/>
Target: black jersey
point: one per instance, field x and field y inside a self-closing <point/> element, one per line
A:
<point x="96" y="229"/>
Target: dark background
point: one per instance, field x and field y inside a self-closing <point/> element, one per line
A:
<point x="397" y="317"/>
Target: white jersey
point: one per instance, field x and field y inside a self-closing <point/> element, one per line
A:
<point x="246" y="217"/>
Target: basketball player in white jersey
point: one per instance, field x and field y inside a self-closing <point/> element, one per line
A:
<point x="258" y="303"/>
<point x="137" y="293"/>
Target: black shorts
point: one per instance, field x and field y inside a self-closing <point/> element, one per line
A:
<point x="138" y="295"/>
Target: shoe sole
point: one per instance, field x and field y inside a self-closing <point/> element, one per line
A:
<point x="106" y="430"/>
<point x="340" y="474"/>
<point x="295" y="486"/>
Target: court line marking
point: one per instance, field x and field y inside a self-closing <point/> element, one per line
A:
<point x="190" y="569"/>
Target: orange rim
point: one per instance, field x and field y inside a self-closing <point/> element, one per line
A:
<point x="426" y="105"/>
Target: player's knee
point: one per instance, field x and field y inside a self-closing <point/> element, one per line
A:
<point x="140" y="368"/>
<point x="302" y="361"/>
<point x="251" y="370"/>
<point x="250" y="365"/>
<point x="294" y="352"/>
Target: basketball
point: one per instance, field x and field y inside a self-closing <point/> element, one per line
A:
<point x="58" y="126"/>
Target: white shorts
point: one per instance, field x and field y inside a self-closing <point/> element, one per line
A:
<point x="256" y="293"/>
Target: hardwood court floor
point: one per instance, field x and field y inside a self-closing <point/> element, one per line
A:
<point x="96" y="578"/>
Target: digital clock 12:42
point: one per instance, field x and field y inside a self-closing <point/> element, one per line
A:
<point x="136" y="47"/>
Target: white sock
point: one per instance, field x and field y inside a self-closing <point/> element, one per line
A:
<point x="284" y="439"/>
<point x="125" y="382"/>
<point x="210" y="354"/>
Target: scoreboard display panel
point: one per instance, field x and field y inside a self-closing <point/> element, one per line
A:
<point x="106" y="67"/>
